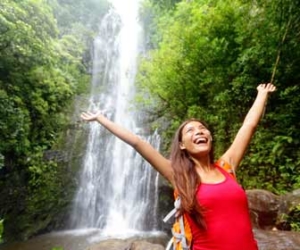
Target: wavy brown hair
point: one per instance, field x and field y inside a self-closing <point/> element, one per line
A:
<point x="185" y="176"/>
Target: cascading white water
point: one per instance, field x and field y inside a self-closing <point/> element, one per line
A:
<point x="118" y="189"/>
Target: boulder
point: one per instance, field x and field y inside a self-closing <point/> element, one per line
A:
<point x="129" y="244"/>
<point x="269" y="211"/>
<point x="144" y="245"/>
<point x="277" y="240"/>
<point x="264" y="207"/>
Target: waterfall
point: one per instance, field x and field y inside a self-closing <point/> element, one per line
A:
<point x="117" y="189"/>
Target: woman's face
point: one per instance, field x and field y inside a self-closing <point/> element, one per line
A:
<point x="196" y="139"/>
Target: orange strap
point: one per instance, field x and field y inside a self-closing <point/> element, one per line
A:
<point x="227" y="167"/>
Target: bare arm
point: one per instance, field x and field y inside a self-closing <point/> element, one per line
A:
<point x="148" y="152"/>
<point x="238" y="148"/>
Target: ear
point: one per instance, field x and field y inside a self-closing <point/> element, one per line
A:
<point x="182" y="146"/>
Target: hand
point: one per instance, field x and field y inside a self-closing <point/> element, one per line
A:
<point x="266" y="88"/>
<point x="89" y="116"/>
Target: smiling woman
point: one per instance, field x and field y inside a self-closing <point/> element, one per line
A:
<point x="214" y="204"/>
<point x="195" y="138"/>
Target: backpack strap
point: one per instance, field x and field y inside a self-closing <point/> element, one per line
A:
<point x="181" y="236"/>
<point x="178" y="237"/>
<point x="177" y="205"/>
<point x="227" y="167"/>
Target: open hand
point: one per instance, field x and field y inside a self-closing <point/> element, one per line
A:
<point x="89" y="116"/>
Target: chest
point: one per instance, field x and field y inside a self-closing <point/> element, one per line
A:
<point x="221" y="197"/>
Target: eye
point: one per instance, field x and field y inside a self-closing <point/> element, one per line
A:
<point x="190" y="129"/>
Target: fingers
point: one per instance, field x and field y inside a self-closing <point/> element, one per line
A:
<point x="87" y="115"/>
<point x="269" y="87"/>
<point x="84" y="115"/>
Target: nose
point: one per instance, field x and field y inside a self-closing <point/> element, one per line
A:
<point x="199" y="131"/>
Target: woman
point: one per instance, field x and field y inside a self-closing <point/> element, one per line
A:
<point x="214" y="204"/>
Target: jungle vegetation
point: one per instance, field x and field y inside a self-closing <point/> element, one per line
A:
<point x="44" y="63"/>
<point x="204" y="59"/>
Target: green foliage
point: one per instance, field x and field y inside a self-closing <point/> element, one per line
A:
<point x="294" y="219"/>
<point x="70" y="14"/>
<point x="42" y="67"/>
<point x="290" y="220"/>
<point x="14" y="125"/>
<point x="164" y="4"/>
<point x="207" y="64"/>
<point x="42" y="200"/>
<point x="1" y="231"/>
<point x="35" y="85"/>
<point x="1" y="161"/>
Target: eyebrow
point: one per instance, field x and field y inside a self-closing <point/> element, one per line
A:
<point x="191" y="126"/>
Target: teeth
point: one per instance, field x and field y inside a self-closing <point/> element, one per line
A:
<point x="201" y="140"/>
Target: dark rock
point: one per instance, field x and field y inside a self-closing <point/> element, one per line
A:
<point x="112" y="244"/>
<point x="289" y="211"/>
<point x="277" y="240"/>
<point x="128" y="244"/>
<point x="264" y="207"/>
<point x="144" y="245"/>
<point x="269" y="211"/>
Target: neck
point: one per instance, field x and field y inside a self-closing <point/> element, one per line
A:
<point x="203" y="164"/>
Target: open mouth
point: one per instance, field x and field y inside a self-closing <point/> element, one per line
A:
<point x="201" y="140"/>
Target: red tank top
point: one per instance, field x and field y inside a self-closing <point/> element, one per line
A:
<point x="226" y="215"/>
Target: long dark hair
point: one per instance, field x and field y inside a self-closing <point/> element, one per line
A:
<point x="185" y="176"/>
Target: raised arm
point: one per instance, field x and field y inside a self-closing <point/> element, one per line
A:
<point x="238" y="148"/>
<point x="148" y="152"/>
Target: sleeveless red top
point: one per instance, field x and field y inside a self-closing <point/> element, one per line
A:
<point x="226" y="215"/>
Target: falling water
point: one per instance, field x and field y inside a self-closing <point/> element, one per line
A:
<point x="117" y="190"/>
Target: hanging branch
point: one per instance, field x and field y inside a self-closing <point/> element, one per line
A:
<point x="280" y="50"/>
<point x="279" y="55"/>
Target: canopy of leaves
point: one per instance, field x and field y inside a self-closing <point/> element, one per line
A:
<point x="207" y="64"/>
<point x="43" y="65"/>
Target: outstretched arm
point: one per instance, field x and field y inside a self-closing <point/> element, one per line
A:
<point x="238" y="148"/>
<point x="148" y="152"/>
